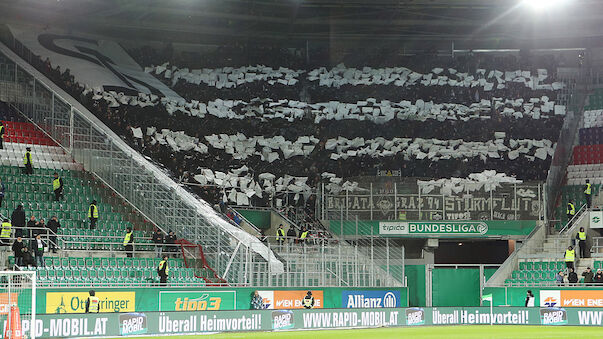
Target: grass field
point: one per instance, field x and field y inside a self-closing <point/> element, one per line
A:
<point x="486" y="332"/>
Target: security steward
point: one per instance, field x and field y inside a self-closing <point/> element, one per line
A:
<point x="1" y="135"/>
<point x="570" y="257"/>
<point x="581" y="237"/>
<point x="93" y="214"/>
<point x="6" y="232"/>
<point x="163" y="271"/>
<point x="588" y="193"/>
<point x="57" y="187"/>
<point x="280" y="234"/>
<point x="129" y="242"/>
<point x="571" y="210"/>
<point x="93" y="303"/>
<point x="308" y="301"/>
<point x="27" y="161"/>
<point x="303" y="236"/>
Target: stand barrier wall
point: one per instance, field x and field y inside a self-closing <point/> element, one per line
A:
<point x="153" y="323"/>
<point x="151" y="299"/>
<point x="561" y="296"/>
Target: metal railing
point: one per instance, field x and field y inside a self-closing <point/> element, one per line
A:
<point x="574" y="101"/>
<point x="573" y="222"/>
<point x="596" y="248"/>
<point x="94" y="145"/>
<point x="534" y="240"/>
<point x="319" y="261"/>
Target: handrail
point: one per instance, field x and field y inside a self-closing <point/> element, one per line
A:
<point x="156" y="177"/>
<point x="573" y="220"/>
<point x="512" y="259"/>
<point x="242" y="217"/>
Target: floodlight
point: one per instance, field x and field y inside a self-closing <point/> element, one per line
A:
<point x="544" y="4"/>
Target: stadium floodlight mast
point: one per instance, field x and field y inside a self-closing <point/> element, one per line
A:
<point x="541" y="5"/>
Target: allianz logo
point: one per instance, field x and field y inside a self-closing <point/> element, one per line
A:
<point x="360" y="301"/>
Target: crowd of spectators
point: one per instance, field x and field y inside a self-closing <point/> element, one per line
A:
<point x="185" y="164"/>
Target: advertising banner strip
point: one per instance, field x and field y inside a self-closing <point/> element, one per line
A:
<point x="422" y="228"/>
<point x="183" y="322"/>
<point x="197" y="300"/>
<point x="571" y="298"/>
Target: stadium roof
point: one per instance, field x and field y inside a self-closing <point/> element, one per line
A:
<point x="493" y="23"/>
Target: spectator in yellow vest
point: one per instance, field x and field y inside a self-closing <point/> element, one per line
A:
<point x="163" y="271"/>
<point x="93" y="303"/>
<point x="588" y="193"/>
<point x="6" y="232"/>
<point x="571" y="211"/>
<point x="129" y="243"/>
<point x="570" y="257"/>
<point x="93" y="214"/>
<point x="57" y="187"/>
<point x="2" y="131"/>
<point x="27" y="161"/>
<point x="280" y="234"/>
<point x="581" y="237"/>
<point x="303" y="236"/>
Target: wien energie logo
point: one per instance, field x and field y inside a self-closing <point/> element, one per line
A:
<point x="551" y="302"/>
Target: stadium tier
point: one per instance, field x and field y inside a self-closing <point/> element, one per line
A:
<point x="110" y="271"/>
<point x="282" y="177"/>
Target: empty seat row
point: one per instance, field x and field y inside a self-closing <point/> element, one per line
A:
<point x="100" y="262"/>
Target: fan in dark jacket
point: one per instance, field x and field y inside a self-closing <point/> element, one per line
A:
<point x="572" y="277"/>
<point x="17" y="248"/>
<point x="170" y="241"/>
<point x="28" y="260"/>
<point x="17" y="219"/>
<point x="158" y="241"/>
<point x="53" y="225"/>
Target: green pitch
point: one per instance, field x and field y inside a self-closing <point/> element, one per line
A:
<point x="464" y="332"/>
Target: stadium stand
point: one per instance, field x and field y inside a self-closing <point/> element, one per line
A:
<point x="73" y="265"/>
<point x="332" y="138"/>
<point x="441" y="120"/>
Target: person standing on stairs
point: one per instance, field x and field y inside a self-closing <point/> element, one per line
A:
<point x="37" y="246"/>
<point x="571" y="211"/>
<point x="93" y="214"/>
<point x="280" y="235"/>
<point x="570" y="257"/>
<point x="57" y="187"/>
<point x="158" y="240"/>
<point x="30" y="231"/>
<point x="17" y="219"/>
<point x="27" y="161"/>
<point x="588" y="193"/>
<point x="53" y="226"/>
<point x="129" y="243"/>
<point x="581" y="237"/>
<point x="163" y="271"/>
<point x="2" y="129"/>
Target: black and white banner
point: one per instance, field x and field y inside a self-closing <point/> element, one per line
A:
<point x="99" y="64"/>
